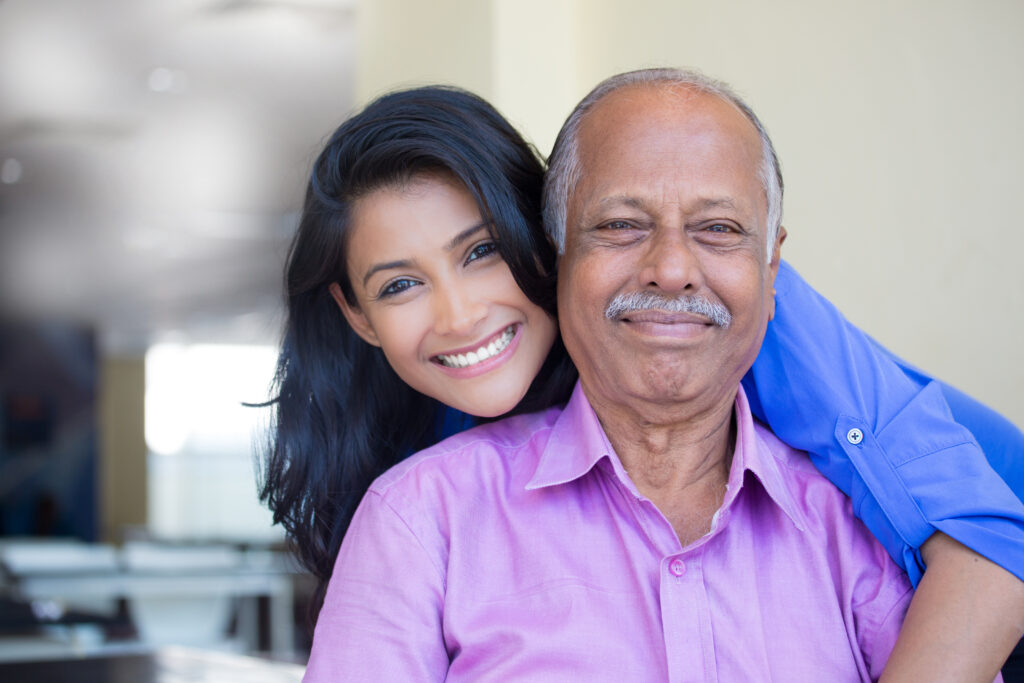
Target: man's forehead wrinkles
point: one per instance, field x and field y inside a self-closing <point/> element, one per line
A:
<point x="661" y="199"/>
<point x="717" y="203"/>
<point x="631" y="201"/>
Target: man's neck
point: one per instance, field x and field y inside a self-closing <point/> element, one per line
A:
<point x="678" y="459"/>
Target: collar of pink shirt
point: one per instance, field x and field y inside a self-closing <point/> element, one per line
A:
<point x="578" y="442"/>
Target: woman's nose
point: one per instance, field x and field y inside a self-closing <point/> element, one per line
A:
<point x="457" y="310"/>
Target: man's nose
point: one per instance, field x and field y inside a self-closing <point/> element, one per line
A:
<point x="457" y="309"/>
<point x="670" y="263"/>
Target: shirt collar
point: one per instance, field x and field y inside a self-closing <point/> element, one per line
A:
<point x="577" y="442"/>
<point x="755" y="455"/>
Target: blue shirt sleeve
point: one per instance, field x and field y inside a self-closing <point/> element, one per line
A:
<point x="883" y="432"/>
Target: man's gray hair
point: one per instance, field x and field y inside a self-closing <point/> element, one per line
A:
<point x="564" y="165"/>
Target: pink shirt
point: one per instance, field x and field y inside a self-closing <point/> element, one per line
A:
<point x="521" y="550"/>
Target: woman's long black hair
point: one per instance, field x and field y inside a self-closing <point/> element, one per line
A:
<point x="341" y="414"/>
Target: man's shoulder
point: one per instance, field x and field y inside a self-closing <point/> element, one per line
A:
<point x="816" y="498"/>
<point x="496" y="449"/>
<point x="825" y="515"/>
<point x="795" y="463"/>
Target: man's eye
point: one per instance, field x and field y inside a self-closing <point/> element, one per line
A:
<point x="482" y="250"/>
<point x="718" y="227"/>
<point x="617" y="225"/>
<point x="396" y="287"/>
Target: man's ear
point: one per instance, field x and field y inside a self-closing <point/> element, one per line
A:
<point x="773" y="267"/>
<point x="355" y="317"/>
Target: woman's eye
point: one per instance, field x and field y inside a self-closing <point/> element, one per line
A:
<point x="396" y="287"/>
<point x="481" y="250"/>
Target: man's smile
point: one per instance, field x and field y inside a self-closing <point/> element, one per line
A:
<point x="664" y="318"/>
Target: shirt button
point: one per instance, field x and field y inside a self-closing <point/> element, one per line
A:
<point x="677" y="567"/>
<point x="855" y="436"/>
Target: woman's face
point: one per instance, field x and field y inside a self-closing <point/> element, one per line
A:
<point x="436" y="296"/>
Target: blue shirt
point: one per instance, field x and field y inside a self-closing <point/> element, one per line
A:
<point x="903" y="446"/>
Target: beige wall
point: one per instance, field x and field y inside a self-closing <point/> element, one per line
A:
<point x="122" y="445"/>
<point x="408" y="42"/>
<point x="897" y="123"/>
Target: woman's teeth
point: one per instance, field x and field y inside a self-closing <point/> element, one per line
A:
<point x="464" y="360"/>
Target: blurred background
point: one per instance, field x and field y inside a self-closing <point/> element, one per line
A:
<point x="152" y="162"/>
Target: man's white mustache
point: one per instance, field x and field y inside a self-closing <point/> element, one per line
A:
<point x="646" y="301"/>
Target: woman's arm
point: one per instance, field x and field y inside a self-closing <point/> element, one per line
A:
<point x="964" y="620"/>
<point x="883" y="433"/>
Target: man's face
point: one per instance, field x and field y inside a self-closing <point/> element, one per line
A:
<point x="670" y="204"/>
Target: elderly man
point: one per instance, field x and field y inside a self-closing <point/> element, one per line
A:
<point x="666" y="288"/>
<point x="670" y="253"/>
<point x="665" y="196"/>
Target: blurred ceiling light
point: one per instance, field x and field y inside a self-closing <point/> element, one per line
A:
<point x="339" y="6"/>
<point x="10" y="171"/>
<point x="208" y="158"/>
<point x="145" y="239"/>
<point x="162" y="79"/>
<point x="61" y="69"/>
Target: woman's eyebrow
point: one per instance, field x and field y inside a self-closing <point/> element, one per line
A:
<point x="377" y="267"/>
<point x="406" y="263"/>
<point x="465" y="235"/>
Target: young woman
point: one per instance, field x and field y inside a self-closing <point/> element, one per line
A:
<point x="394" y="315"/>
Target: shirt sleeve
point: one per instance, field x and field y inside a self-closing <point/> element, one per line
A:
<point x="882" y="431"/>
<point x="381" y="618"/>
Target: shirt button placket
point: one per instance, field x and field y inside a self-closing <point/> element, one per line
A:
<point x="684" y="614"/>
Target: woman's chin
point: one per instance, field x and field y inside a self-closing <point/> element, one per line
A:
<point x="491" y="413"/>
<point x="489" y="406"/>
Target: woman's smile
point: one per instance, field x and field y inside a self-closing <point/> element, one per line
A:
<point x="472" y="357"/>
